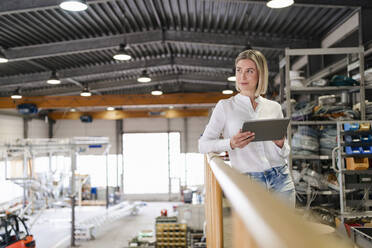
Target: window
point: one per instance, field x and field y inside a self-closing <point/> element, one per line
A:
<point x="145" y="163"/>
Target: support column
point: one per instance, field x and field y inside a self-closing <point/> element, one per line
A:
<point x="73" y="195"/>
<point x="51" y="123"/>
<point x="119" y="151"/>
<point x="107" y="183"/>
<point x="185" y="136"/>
<point x="365" y="31"/>
<point x="119" y="147"/>
<point x="25" y="127"/>
<point x="169" y="163"/>
<point x="315" y="62"/>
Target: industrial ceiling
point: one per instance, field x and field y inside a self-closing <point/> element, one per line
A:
<point x="187" y="46"/>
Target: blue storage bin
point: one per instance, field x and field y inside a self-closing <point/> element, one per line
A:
<point x="367" y="149"/>
<point x="351" y="126"/>
<point x="365" y="138"/>
<point x="348" y="139"/>
<point x="352" y="138"/>
<point x="353" y="150"/>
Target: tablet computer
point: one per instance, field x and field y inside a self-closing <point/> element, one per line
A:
<point x="267" y="129"/>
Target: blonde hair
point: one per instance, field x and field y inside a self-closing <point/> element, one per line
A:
<point x="263" y="73"/>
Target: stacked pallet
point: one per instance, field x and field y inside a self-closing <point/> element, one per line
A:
<point x="171" y="235"/>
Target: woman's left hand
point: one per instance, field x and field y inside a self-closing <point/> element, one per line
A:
<point x="279" y="143"/>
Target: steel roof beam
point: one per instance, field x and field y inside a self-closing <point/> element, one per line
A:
<point x="225" y="65"/>
<point x="105" y="85"/>
<point x="109" y="42"/>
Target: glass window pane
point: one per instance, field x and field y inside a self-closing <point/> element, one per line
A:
<point x="145" y="163"/>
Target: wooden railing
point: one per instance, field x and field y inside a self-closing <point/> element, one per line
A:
<point x="259" y="218"/>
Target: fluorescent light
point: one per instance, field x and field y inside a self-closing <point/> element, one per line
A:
<point x="53" y="79"/>
<point x="227" y="92"/>
<point x="85" y="92"/>
<point x="144" y="78"/>
<point x="122" y="54"/>
<point x="3" y="59"/>
<point x="110" y="108"/>
<point x="156" y="92"/>
<point x="74" y="5"/>
<point x="16" y="94"/>
<point x="231" y="78"/>
<point x="277" y="4"/>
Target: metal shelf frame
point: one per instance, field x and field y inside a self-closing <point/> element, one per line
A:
<point x="341" y="168"/>
<point x="322" y="51"/>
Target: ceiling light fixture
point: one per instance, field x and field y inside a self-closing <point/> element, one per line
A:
<point x="16" y="94"/>
<point x="54" y="79"/>
<point x="277" y="4"/>
<point x="232" y="77"/>
<point x="227" y="92"/>
<point x="122" y="54"/>
<point x="74" y="5"/>
<point x="72" y="110"/>
<point x="3" y="58"/>
<point x="157" y="91"/>
<point x="110" y="108"/>
<point x="144" y="78"/>
<point x="85" y="92"/>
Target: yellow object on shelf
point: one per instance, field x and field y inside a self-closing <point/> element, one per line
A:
<point x="357" y="163"/>
<point x="365" y="126"/>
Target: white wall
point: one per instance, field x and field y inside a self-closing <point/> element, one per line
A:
<point x="194" y="125"/>
<point x="11" y="127"/>
<point x="38" y="129"/>
<point x="75" y="128"/>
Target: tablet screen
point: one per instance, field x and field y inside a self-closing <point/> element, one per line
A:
<point x="267" y="129"/>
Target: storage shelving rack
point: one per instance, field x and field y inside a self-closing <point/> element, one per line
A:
<point x="342" y="171"/>
<point x="320" y="90"/>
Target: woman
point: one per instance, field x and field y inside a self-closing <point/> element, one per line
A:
<point x="264" y="161"/>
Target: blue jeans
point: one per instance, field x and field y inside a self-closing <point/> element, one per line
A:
<point x="277" y="180"/>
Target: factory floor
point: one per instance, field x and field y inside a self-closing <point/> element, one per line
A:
<point x="52" y="229"/>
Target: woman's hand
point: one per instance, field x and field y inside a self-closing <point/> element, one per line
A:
<point x="279" y="143"/>
<point x="240" y="140"/>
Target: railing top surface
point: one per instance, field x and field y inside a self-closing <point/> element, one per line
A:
<point x="270" y="221"/>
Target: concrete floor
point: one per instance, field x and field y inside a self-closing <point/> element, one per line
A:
<point x="119" y="233"/>
<point x="52" y="229"/>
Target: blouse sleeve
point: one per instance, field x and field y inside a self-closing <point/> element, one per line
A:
<point x="210" y="141"/>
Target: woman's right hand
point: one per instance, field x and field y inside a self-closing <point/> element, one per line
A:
<point x="240" y="140"/>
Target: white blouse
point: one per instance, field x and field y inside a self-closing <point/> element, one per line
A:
<point x="228" y="118"/>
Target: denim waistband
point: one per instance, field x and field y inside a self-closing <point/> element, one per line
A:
<point x="273" y="170"/>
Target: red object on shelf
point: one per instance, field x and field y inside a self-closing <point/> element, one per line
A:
<point x="347" y="227"/>
<point x="164" y="212"/>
